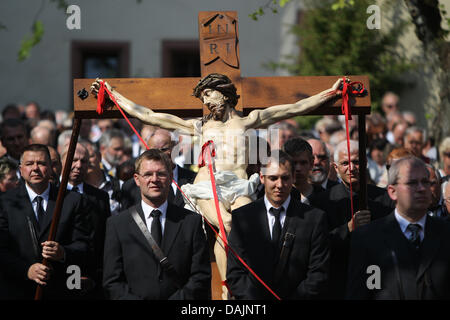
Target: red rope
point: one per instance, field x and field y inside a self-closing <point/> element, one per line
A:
<point x="205" y="147"/>
<point x="346" y="89"/>
<point x="211" y="153"/>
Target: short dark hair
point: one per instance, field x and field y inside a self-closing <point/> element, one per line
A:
<point x="155" y="155"/>
<point x="280" y="157"/>
<point x="12" y="123"/>
<point x="10" y="107"/>
<point x="296" y="146"/>
<point x="36" y="147"/>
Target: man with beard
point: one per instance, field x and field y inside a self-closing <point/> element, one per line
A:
<point x="219" y="95"/>
<point x="321" y="165"/>
<point x="112" y="146"/>
<point x="336" y="203"/>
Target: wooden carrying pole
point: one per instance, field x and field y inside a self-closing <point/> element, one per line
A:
<point x="61" y="193"/>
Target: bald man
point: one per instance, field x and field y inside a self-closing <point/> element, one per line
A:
<point x="161" y="140"/>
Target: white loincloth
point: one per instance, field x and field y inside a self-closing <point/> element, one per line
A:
<point x="229" y="188"/>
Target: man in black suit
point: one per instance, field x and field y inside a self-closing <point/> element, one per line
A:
<point x="25" y="217"/>
<point x="160" y="139"/>
<point x="96" y="203"/>
<point x="336" y="203"/>
<point x="131" y="269"/>
<point x="258" y="232"/>
<point x="409" y="248"/>
<point x="302" y="155"/>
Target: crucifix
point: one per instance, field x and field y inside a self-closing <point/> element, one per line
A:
<point x="219" y="54"/>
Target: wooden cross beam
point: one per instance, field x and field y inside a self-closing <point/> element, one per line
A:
<point x="219" y="53"/>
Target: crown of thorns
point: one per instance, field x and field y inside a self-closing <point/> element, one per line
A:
<point x="219" y="82"/>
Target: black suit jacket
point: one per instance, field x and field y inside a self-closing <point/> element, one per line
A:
<point x="131" y="195"/>
<point x="306" y="273"/>
<point x="382" y="243"/>
<point x="17" y="251"/>
<point x="336" y="203"/>
<point x="97" y="204"/>
<point x="131" y="270"/>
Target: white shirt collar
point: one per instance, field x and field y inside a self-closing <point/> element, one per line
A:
<point x="404" y="224"/>
<point x="147" y="209"/>
<point x="270" y="216"/>
<point x="33" y="194"/>
<point x="285" y="204"/>
<point x="79" y="186"/>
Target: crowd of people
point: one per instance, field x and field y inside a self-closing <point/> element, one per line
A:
<point x="303" y="234"/>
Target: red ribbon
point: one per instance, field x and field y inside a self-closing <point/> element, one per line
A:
<point x="346" y="89"/>
<point x="205" y="148"/>
<point x="201" y="157"/>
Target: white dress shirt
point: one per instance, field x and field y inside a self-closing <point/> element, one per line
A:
<point x="404" y="225"/>
<point x="149" y="219"/>
<point x="33" y="199"/>
<point x="271" y="217"/>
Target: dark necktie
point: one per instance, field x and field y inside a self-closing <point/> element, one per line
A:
<point x="156" y="229"/>
<point x="276" y="230"/>
<point x="40" y="211"/>
<point x="415" y="234"/>
<point x="75" y="189"/>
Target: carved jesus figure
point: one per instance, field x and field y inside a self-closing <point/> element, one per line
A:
<point x="218" y="94"/>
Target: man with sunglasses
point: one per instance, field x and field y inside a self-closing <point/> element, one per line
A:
<point x="408" y="250"/>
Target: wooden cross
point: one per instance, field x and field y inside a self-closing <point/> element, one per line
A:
<point x="219" y="53"/>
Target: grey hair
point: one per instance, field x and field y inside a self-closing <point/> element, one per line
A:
<point x="107" y="136"/>
<point x="63" y="136"/>
<point x="416" y="129"/>
<point x="342" y="147"/>
<point x="324" y="146"/>
<point x="394" y="170"/>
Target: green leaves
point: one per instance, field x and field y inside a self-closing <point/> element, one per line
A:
<point x="30" y="41"/>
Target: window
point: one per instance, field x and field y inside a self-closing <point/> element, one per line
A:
<point x="181" y="58"/>
<point x="100" y="59"/>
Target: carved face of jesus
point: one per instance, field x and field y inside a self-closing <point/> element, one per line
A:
<point x="215" y="101"/>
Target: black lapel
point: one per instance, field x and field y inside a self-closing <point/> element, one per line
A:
<point x="52" y="195"/>
<point x="25" y="206"/>
<point x="261" y="212"/>
<point x="136" y="229"/>
<point x="293" y="212"/>
<point x="396" y="241"/>
<point x="174" y="219"/>
<point x="430" y="245"/>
